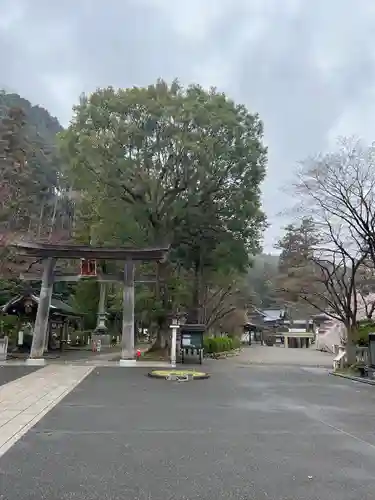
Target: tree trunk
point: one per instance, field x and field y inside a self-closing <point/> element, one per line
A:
<point x="195" y="314"/>
<point x="53" y="218"/>
<point x="162" y="333"/>
<point x="351" y="341"/>
<point x="162" y="336"/>
<point x="40" y="221"/>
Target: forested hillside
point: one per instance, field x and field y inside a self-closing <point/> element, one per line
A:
<point x="32" y="201"/>
<point x="30" y="170"/>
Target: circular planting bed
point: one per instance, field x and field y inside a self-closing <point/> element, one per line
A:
<point x="178" y="375"/>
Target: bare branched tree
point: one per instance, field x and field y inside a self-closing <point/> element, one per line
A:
<point x="327" y="277"/>
<point x="338" y="191"/>
<point x="366" y="289"/>
<point x="220" y="302"/>
<point x="341" y="186"/>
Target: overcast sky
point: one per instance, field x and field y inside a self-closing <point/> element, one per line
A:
<point x="307" y="66"/>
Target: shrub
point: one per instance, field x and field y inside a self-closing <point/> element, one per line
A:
<point x="9" y="326"/>
<point x="214" y="345"/>
<point x="364" y="328"/>
<point x="236" y="342"/>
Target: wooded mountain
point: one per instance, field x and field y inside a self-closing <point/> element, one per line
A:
<point x="30" y="170"/>
<point x="39" y="132"/>
<point x="37" y="117"/>
<point x="29" y="181"/>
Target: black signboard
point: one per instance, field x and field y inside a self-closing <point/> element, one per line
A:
<point x="194" y="339"/>
<point x="192" y="336"/>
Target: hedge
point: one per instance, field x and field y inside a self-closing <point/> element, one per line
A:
<point x="364" y="328"/>
<point x="220" y="344"/>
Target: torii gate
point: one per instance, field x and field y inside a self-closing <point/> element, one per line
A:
<point x="89" y="271"/>
<point x="51" y="253"/>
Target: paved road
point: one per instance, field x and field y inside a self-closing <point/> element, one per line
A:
<point x="263" y="355"/>
<point x="254" y="432"/>
<point x="9" y="373"/>
<point x="72" y="355"/>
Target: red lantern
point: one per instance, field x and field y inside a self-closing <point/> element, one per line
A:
<point x="88" y="267"/>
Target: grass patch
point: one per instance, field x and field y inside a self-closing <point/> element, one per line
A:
<point x="156" y="355"/>
<point x="355" y="370"/>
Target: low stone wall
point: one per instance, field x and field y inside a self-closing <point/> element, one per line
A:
<point x="223" y="355"/>
<point x="104" y="338"/>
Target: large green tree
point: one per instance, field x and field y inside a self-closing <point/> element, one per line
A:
<point x="297" y="247"/>
<point x="167" y="164"/>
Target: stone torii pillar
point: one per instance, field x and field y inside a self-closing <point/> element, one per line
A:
<point x="127" y="340"/>
<point x="41" y="322"/>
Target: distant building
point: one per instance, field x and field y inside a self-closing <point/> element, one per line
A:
<point x="267" y="317"/>
<point x="273" y="318"/>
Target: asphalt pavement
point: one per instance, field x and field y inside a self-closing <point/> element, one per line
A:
<point x="8" y="373"/>
<point x="248" y="432"/>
